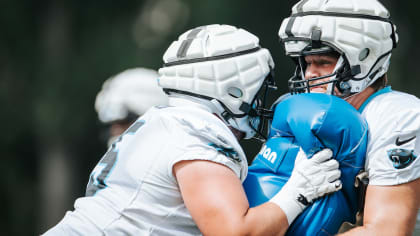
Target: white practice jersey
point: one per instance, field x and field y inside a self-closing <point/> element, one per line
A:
<point x="394" y="142"/>
<point x="132" y="190"/>
<point x="394" y="138"/>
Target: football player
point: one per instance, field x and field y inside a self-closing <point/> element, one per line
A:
<point x="178" y="169"/>
<point x="126" y="96"/>
<point x="344" y="48"/>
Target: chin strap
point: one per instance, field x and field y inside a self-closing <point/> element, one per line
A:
<point x="220" y="111"/>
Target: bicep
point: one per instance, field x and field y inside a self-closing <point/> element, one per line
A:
<point x="212" y="193"/>
<point x="392" y="209"/>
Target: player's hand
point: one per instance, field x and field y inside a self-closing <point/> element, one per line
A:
<point x="310" y="179"/>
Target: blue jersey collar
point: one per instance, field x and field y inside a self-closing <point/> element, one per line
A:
<point x="387" y="89"/>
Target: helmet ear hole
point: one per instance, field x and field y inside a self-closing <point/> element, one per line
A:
<point x="235" y="92"/>
<point x="364" y="54"/>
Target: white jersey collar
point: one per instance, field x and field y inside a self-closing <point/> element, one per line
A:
<point x="387" y="89"/>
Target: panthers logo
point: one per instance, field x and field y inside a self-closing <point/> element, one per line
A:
<point x="401" y="158"/>
<point x="229" y="152"/>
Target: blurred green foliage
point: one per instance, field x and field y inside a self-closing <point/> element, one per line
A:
<point x="54" y="56"/>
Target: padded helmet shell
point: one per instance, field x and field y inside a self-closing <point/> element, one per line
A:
<point x="219" y="62"/>
<point x="360" y="30"/>
<point x="132" y="91"/>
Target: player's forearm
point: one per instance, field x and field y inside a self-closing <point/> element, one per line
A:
<point x="400" y="223"/>
<point x="358" y="231"/>
<point x="266" y="219"/>
<point x="378" y="230"/>
<point x="274" y="217"/>
<point x="384" y="215"/>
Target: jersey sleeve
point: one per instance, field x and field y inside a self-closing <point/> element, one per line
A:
<point x="210" y="153"/>
<point x="392" y="156"/>
<point x="209" y="141"/>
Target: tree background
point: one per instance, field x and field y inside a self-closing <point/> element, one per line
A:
<point x="55" y="55"/>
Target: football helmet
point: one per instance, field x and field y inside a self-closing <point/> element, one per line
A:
<point x="127" y="95"/>
<point x="359" y="31"/>
<point x="225" y="68"/>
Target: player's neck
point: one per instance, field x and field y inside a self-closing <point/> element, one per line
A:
<point x="239" y="135"/>
<point x="357" y="100"/>
<point x="187" y="101"/>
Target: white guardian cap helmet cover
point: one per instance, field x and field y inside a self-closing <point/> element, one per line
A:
<point x="225" y="68"/>
<point x="360" y="31"/>
<point x="128" y="95"/>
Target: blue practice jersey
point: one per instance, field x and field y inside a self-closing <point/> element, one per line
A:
<point x="311" y="122"/>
